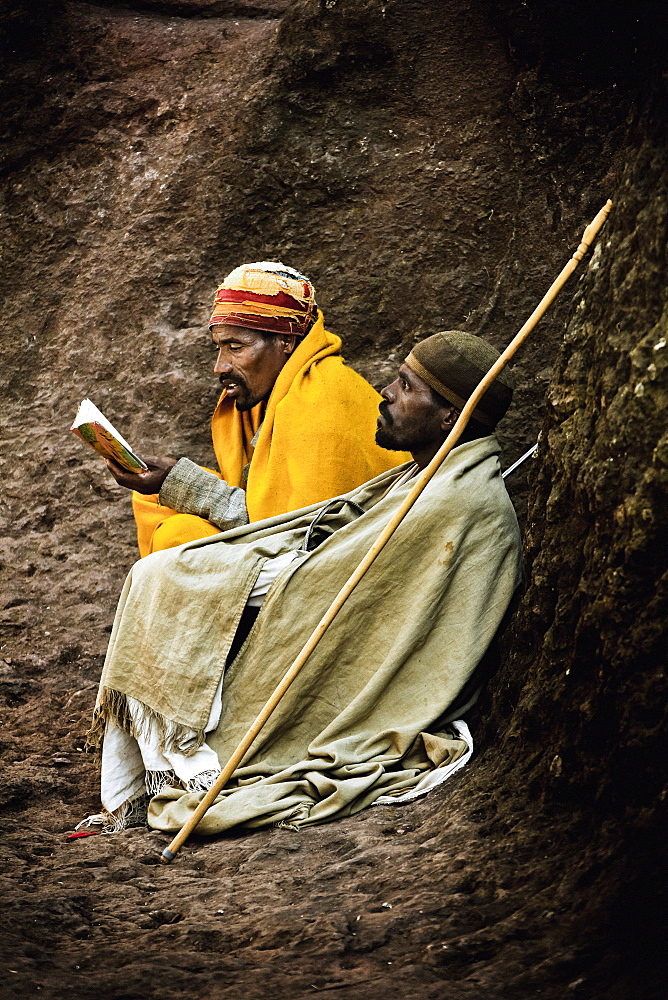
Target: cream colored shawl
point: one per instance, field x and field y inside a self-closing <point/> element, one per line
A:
<point x="361" y="720"/>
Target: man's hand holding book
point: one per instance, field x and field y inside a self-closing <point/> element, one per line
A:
<point x="150" y="481"/>
<point x="144" y="476"/>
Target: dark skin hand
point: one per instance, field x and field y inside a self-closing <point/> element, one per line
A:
<point x="143" y="482"/>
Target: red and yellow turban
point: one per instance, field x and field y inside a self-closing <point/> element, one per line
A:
<point x="267" y="296"/>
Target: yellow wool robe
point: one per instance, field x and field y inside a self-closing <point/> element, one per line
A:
<point x="316" y="442"/>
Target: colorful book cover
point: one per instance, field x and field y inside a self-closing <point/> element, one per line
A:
<point x="93" y="427"/>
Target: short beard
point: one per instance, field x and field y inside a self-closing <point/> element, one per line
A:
<point x="243" y="405"/>
<point x="384" y="439"/>
<point x="244" y="401"/>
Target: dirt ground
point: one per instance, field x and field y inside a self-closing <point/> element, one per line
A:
<point x="423" y="900"/>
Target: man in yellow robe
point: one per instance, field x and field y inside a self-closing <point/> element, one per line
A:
<point x="293" y="426"/>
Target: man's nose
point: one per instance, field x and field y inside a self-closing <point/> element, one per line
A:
<point x="222" y="365"/>
<point x="387" y="393"/>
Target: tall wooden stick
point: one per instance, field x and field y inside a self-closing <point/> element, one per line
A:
<point x="426" y="475"/>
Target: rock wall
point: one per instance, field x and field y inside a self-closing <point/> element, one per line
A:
<point x="421" y="178"/>
<point x="575" y="718"/>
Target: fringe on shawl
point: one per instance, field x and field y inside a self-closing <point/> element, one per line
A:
<point x="130" y="813"/>
<point x="133" y="811"/>
<point x="140" y="721"/>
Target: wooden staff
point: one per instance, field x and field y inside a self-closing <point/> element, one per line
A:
<point x="425" y="476"/>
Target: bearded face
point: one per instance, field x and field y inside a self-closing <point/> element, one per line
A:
<point x="249" y="362"/>
<point x="410" y="419"/>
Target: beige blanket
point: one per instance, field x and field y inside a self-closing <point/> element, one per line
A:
<point x="361" y="720"/>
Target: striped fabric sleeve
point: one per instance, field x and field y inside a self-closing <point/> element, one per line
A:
<point x="188" y="489"/>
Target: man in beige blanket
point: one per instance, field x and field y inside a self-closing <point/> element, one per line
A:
<point x="205" y="631"/>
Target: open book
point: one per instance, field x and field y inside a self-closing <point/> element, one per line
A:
<point x="94" y="428"/>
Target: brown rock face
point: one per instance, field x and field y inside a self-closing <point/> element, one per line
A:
<point x="430" y="166"/>
<point x="150" y="153"/>
<point x="596" y="529"/>
<point x="578" y="708"/>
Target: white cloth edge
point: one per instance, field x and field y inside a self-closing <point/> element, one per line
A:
<point x="436" y="777"/>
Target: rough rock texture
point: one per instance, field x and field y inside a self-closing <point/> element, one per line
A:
<point x="430" y="165"/>
<point x="580" y="702"/>
<point x="150" y="153"/>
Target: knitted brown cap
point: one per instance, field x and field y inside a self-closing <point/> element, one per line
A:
<point x="453" y="363"/>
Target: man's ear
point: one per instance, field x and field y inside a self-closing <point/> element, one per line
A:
<point x="449" y="418"/>
<point x="288" y="342"/>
